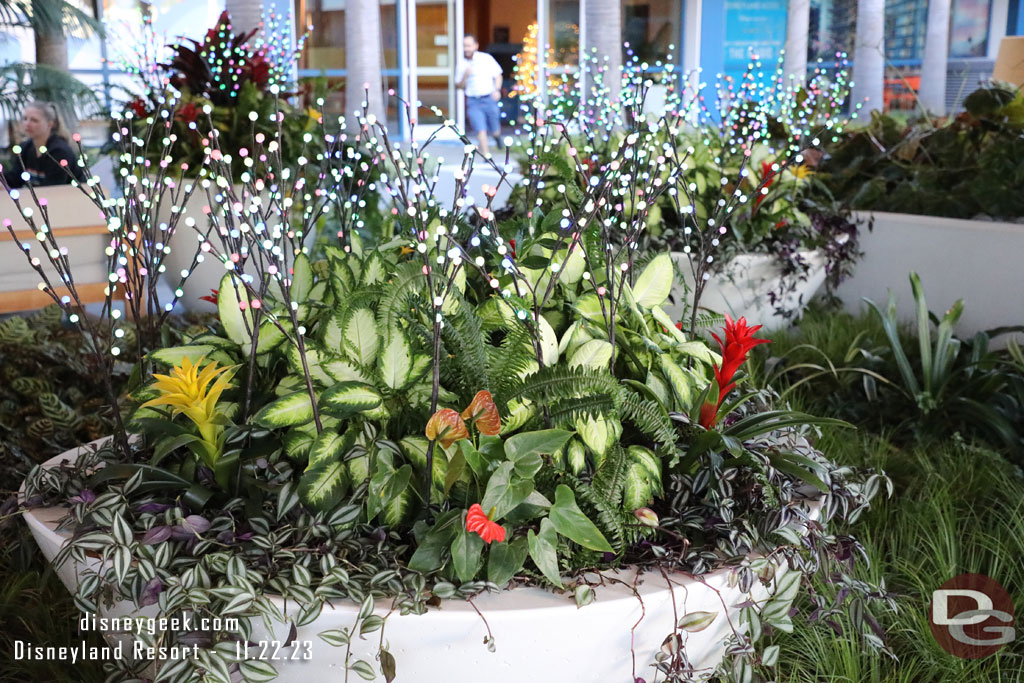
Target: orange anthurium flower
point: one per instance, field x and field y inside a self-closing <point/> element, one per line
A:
<point x="483" y="413"/>
<point x="478" y="522"/>
<point x="447" y="427"/>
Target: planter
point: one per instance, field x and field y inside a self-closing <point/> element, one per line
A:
<point x="209" y="272"/>
<point x="538" y="634"/>
<point x="978" y="261"/>
<point x="744" y="288"/>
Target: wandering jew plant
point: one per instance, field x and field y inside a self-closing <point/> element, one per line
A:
<point x="409" y="397"/>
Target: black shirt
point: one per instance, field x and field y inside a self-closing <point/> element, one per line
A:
<point x="45" y="169"/>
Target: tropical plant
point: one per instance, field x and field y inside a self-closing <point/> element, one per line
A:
<point x="744" y="183"/>
<point x="911" y="383"/>
<point x="963" y="166"/>
<point x="48" y="78"/>
<point x="222" y="87"/>
<point x="431" y="409"/>
<point x="972" y="392"/>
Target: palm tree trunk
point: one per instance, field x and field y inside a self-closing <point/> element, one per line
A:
<point x="51" y="43"/>
<point x="604" y="40"/>
<point x="363" y="78"/>
<point x="52" y="50"/>
<point x="869" y="55"/>
<point x="936" y="53"/>
<point x="797" y="25"/>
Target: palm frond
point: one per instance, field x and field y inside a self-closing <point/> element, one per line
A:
<point x="21" y="83"/>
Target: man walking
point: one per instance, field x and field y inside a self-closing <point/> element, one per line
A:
<point x="480" y="76"/>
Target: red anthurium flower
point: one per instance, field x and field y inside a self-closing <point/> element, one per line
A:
<point x="483" y="413"/>
<point x="447" y="427"/>
<point x="739" y="340"/>
<point x="478" y="522"/>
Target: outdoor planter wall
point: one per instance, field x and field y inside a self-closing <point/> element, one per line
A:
<point x="978" y="261"/>
<point x="538" y="634"/>
<point x="744" y="286"/>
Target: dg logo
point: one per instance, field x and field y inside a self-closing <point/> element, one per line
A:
<point x="971" y="616"/>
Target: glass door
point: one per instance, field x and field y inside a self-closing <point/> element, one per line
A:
<point x="432" y="40"/>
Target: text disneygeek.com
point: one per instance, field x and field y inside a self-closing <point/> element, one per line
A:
<point x="138" y="650"/>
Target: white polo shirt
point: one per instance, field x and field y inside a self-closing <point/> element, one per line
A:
<point x="482" y="71"/>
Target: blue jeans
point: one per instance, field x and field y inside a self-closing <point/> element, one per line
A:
<point x="482" y="115"/>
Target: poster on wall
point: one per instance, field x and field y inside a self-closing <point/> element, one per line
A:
<point x="753" y="27"/>
<point x="968" y="30"/>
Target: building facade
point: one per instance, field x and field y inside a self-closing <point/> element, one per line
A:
<point x="421" y="39"/>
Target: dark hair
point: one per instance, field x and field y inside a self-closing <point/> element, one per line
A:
<point x="470" y="35"/>
<point x="50" y="112"/>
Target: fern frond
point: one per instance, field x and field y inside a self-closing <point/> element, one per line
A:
<point x="650" y="420"/>
<point x="506" y="362"/>
<point x="464" y="342"/>
<point x="610" y="478"/>
<point x="567" y="411"/>
<point x="403" y="287"/>
<point x="555" y="383"/>
<point x="604" y="512"/>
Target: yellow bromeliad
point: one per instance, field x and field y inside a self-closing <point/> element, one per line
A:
<point x="194" y="393"/>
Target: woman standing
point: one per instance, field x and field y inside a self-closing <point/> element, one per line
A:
<point x="43" y="153"/>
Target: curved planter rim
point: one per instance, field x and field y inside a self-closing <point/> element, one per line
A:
<point x="537" y="616"/>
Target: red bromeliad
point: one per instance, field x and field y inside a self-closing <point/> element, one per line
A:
<point x="478" y="522"/>
<point x="739" y="339"/>
<point x="769" y="177"/>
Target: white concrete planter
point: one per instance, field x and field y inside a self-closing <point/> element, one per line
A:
<point x="743" y="286"/>
<point x="539" y="635"/>
<point x="978" y="261"/>
<point x="208" y="273"/>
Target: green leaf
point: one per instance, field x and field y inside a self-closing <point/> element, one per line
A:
<point x="302" y="279"/>
<point x="361" y="337"/>
<point x="548" y="342"/>
<point x="173" y="355"/>
<point x="595" y="353"/>
<point x="364" y="670"/>
<point x="655" y="283"/>
<point x="506" y="559"/>
<point x="347" y="398"/>
<point x="505" y="491"/>
<point x="569" y="521"/>
<point x="385" y="487"/>
<point x="396" y="362"/>
<point x="542" y="442"/>
<point x="323" y="484"/>
<point x="287" y="411"/>
<point x="237" y="323"/>
<point x="584" y="595"/>
<point x="329" y="446"/>
<point x="430" y="551"/>
<point x="695" y="622"/>
<point x="467" y="554"/>
<point x="659" y="314"/>
<point x="387" y="666"/>
<point x="258" y="670"/>
<point x="770" y="656"/>
<point x="542" y="551"/>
